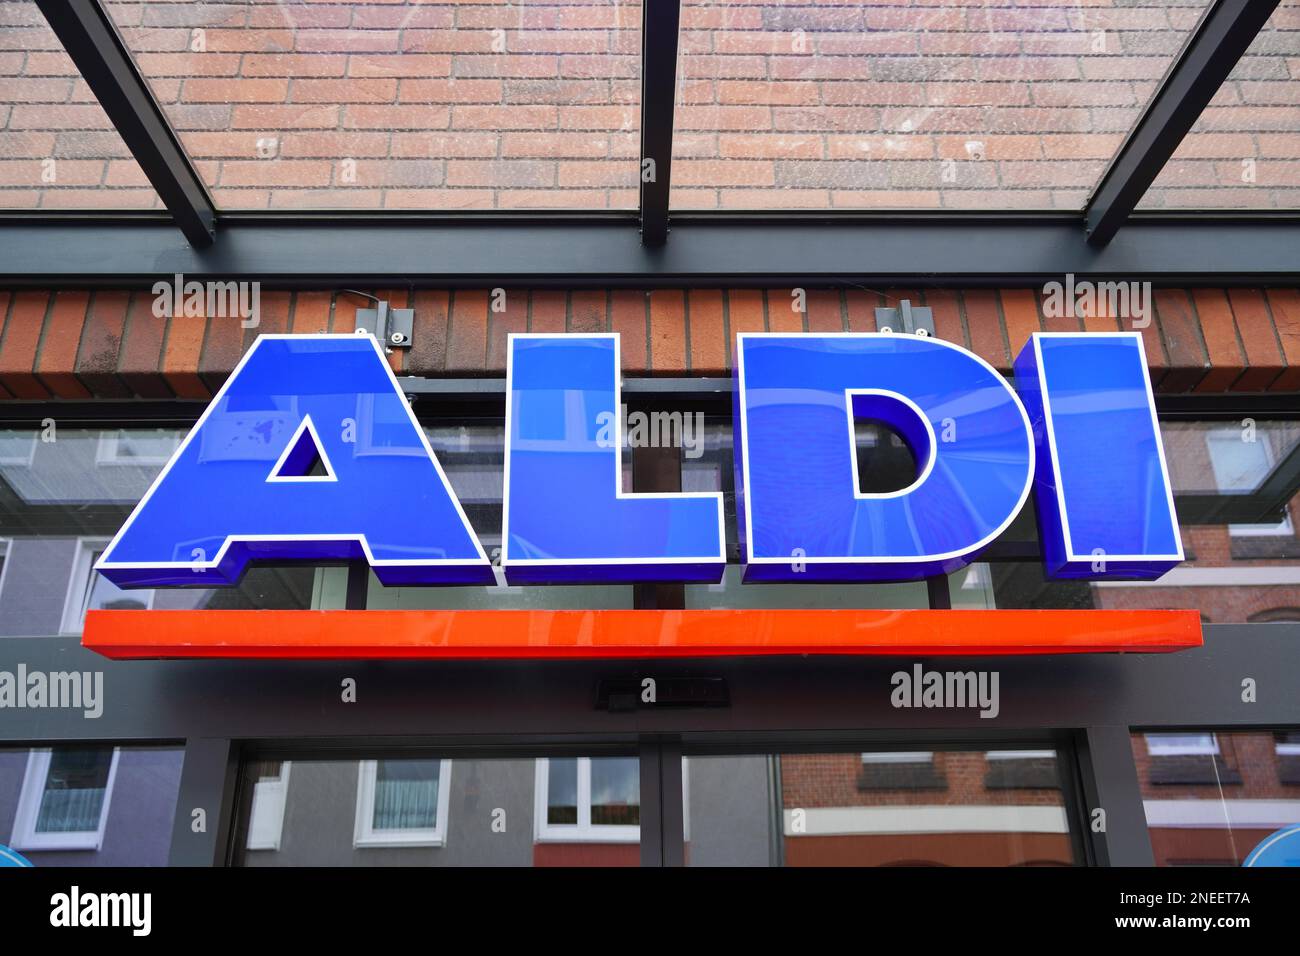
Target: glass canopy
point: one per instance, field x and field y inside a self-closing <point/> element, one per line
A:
<point x="58" y="149"/>
<point x="398" y="105"/>
<point x="461" y="105"/>
<point x="950" y="104"/>
<point x="1244" y="150"/>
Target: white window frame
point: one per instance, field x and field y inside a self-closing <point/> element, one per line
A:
<point x="1159" y="748"/>
<point x="1020" y="755"/>
<point x="26" y="837"/>
<point x="584" y="831"/>
<point x="364" y="833"/>
<point x="81" y="584"/>
<point x="106" y="452"/>
<point x="1291" y="749"/>
<point x="898" y="756"/>
<point x="270" y="795"/>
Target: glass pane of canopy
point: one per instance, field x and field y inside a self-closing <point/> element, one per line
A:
<point x="820" y="104"/>
<point x="1244" y="151"/>
<point x="399" y="105"/>
<point x="58" y="149"/>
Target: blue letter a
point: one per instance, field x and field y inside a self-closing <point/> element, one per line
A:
<point x="309" y="452"/>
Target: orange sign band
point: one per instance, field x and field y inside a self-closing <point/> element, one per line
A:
<point x="485" y="634"/>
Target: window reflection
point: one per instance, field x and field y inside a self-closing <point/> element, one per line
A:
<point x="89" y="804"/>
<point x="417" y="810"/>
<point x="562" y="791"/>
<point x="1215" y="798"/>
<point x="882" y="808"/>
<point x="615" y="792"/>
<point x="62" y="500"/>
<point x="1235" y="486"/>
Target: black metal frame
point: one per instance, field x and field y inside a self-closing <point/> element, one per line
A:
<point x="783" y="704"/>
<point x="87" y="32"/>
<point x="629" y="249"/>
<point x="659" y="28"/>
<point x="485" y="397"/>
<point x="1211" y="51"/>
<point x="706" y="251"/>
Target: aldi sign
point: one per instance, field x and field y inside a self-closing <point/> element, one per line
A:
<point x="295" y="456"/>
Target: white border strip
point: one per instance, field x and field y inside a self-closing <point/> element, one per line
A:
<point x="866" y="821"/>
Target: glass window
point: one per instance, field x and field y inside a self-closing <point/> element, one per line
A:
<point x="1241" y="467"/>
<point x="1235" y="491"/>
<point x="65" y="798"/>
<point x="398" y="105"/>
<point x="1242" y="151"/>
<point x="562" y="791"/>
<point x="592" y="799"/>
<point x="946" y="104"/>
<point x="88" y="589"/>
<point x="615" y="792"/>
<point x="63" y="494"/>
<point x="137" y="446"/>
<point x="411" y="808"/>
<point x="58" y="149"/>
<point x="89" y="804"/>
<point x="886" y="808"/>
<point x="402" y="802"/>
<point x="1220" y="798"/>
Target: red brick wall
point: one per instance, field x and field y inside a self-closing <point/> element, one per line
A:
<point x="831" y="780"/>
<point x="586" y="854"/>
<point x="463" y="104"/>
<point x="73" y="344"/>
<point x="1253" y="755"/>
<point x="930" y="849"/>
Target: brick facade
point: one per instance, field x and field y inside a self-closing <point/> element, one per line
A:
<point x="831" y="780"/>
<point x="109" y="344"/>
<point x="793" y="104"/>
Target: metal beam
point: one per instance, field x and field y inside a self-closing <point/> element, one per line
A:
<point x="659" y="25"/>
<point x="91" y="39"/>
<point x="204" y="804"/>
<point x="785" y="697"/>
<point x="448" y="397"/>
<point x="1212" y="50"/>
<point x="600" y="252"/>
<point x="1119" y="833"/>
